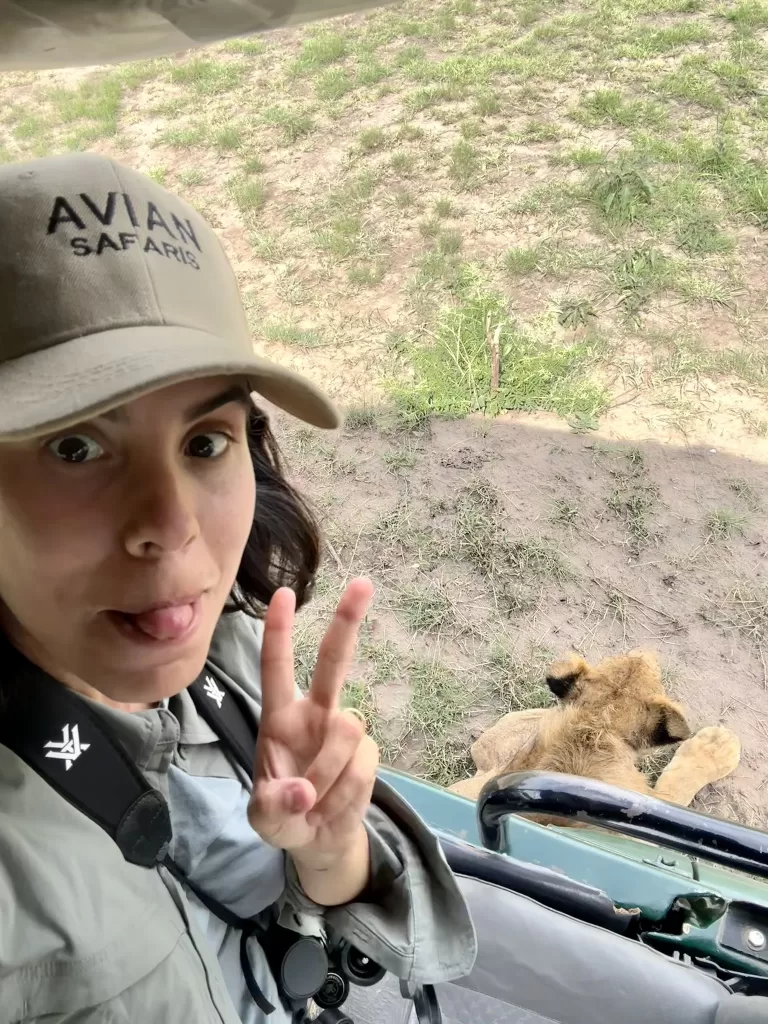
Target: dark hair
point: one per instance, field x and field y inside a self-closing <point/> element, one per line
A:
<point x="284" y="546"/>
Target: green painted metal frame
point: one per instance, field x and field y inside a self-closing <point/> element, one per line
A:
<point x="632" y="873"/>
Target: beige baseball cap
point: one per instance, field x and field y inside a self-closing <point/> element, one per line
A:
<point x="111" y="287"/>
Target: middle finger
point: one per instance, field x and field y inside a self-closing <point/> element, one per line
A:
<point x="342" y="737"/>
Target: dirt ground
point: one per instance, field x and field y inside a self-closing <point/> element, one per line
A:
<point x="368" y="174"/>
<point x="560" y="569"/>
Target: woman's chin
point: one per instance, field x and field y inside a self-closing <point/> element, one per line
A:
<point x="149" y="679"/>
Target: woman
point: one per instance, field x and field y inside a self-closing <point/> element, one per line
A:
<point x="144" y="519"/>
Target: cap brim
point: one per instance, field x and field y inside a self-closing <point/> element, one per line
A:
<point x="74" y="380"/>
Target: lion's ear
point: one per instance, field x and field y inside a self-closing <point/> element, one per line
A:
<point x="562" y="675"/>
<point x="668" y="724"/>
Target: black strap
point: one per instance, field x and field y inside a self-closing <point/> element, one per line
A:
<point x="224" y="711"/>
<point x="67" y="744"/>
<point x="60" y="737"/>
<point x="247" y="929"/>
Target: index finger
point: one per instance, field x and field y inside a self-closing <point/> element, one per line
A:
<point x="338" y="645"/>
<point x="277" y="679"/>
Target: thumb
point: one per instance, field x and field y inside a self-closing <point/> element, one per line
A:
<point x="275" y="803"/>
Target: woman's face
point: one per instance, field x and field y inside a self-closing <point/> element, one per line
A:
<point x="120" y="539"/>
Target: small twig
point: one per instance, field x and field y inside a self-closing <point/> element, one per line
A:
<point x="636" y="600"/>
<point x="495" y="360"/>
<point x="334" y="555"/>
<point x="624" y="399"/>
<point x="352" y="559"/>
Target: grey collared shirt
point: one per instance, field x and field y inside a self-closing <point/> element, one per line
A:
<point x="92" y="935"/>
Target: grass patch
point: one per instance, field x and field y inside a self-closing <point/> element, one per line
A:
<point x="464" y="164"/>
<point x="654" y="762"/>
<point x="700" y="235"/>
<point x="574" y="313"/>
<point x="360" y="417"/>
<point x="228" y="137"/>
<point x="518" y="684"/>
<point x="333" y="84"/>
<point x="620" y="193"/>
<point x="249" y="47"/>
<point x="439" y="701"/>
<point x="209" y="77"/>
<point x="757" y="426"/>
<point x="634" y="497"/>
<point x="564" y="512"/>
<point x="294" y="122"/>
<point x="426" y="609"/>
<point x="403" y="163"/>
<point x="248" y="194"/>
<point x="454" y="374"/>
<point x="537" y="131"/>
<point x="610" y="106"/>
<point x="286" y="333"/>
<point x="341" y="238"/>
<point x="486" y="104"/>
<point x="96" y="101"/>
<point x="320" y="50"/>
<point x="192" y="176"/>
<point x="637" y="276"/>
<point x="693" y="84"/>
<point x="516" y="568"/>
<point x="371" y="139"/>
<point x="723" y="524"/>
<point x="749" y="15"/>
<point x="186" y="137"/>
<point x="367" y="275"/>
<point x="652" y="42"/>
<point x="448" y="242"/>
<point x="744" y="610"/>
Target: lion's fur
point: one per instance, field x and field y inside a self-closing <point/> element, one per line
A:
<point x="607" y="715"/>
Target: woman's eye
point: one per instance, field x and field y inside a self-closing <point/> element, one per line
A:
<point x="207" y="446"/>
<point x="75" y="448"/>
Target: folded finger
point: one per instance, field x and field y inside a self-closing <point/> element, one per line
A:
<point x="277" y="805"/>
<point x="337" y="649"/>
<point x="351" y="792"/>
<point x="343" y="734"/>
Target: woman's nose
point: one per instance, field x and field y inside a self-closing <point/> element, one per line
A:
<point x="162" y="515"/>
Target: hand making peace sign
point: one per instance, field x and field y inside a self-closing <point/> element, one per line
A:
<point x="315" y="767"/>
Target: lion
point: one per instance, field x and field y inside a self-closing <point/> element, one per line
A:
<point x="605" y="718"/>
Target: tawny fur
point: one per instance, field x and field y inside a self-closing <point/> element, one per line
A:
<point x="607" y="716"/>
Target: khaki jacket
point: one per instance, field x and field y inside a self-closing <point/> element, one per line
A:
<point x="86" y="937"/>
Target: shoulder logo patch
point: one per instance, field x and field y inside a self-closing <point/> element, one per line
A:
<point x="70" y="747"/>
<point x="213" y="691"/>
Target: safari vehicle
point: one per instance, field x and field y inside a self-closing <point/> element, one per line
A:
<point x="652" y="913"/>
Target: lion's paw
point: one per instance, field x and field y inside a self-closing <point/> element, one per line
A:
<point x="708" y="756"/>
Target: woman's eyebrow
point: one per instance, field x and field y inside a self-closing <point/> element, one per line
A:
<point x="234" y="394"/>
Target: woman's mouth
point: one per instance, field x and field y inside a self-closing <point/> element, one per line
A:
<point x="169" y="623"/>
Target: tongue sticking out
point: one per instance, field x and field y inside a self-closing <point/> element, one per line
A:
<point x="165" y="623"/>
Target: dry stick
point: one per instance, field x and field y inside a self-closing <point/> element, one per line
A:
<point x="352" y="559"/>
<point x="605" y="584"/>
<point x="624" y="399"/>
<point x="335" y="556"/>
<point x="495" y="360"/>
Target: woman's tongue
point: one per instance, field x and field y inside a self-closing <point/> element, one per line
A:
<point x="165" y="623"/>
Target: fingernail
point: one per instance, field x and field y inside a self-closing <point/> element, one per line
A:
<point x="294" y="800"/>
